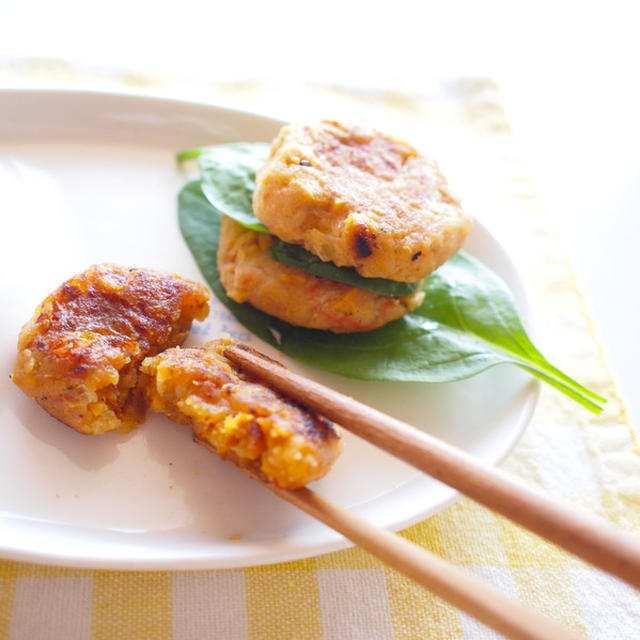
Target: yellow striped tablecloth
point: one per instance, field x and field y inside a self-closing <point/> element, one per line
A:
<point x="590" y="462"/>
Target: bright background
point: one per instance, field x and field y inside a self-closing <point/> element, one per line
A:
<point x="567" y="71"/>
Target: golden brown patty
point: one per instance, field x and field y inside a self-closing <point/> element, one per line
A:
<point x="360" y="199"/>
<point x="78" y="356"/>
<point x="253" y="426"/>
<point x="249" y="274"/>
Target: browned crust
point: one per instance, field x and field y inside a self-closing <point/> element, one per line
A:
<point x="78" y="356"/>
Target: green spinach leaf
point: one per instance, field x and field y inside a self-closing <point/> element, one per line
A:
<point x="467" y="323"/>
<point x="296" y="256"/>
<point x="229" y="177"/>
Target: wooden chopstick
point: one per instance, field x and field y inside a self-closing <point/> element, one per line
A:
<point x="465" y="592"/>
<point x="589" y="538"/>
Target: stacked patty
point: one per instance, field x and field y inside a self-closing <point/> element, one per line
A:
<point x="351" y="196"/>
<point x="249" y="274"/>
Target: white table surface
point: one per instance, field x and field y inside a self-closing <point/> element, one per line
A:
<point x="567" y="71"/>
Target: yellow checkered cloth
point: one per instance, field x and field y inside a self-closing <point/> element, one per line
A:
<point x="587" y="461"/>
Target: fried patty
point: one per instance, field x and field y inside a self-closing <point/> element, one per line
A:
<point x="78" y="356"/>
<point x="248" y="423"/>
<point x="249" y="274"/>
<point x="361" y="199"/>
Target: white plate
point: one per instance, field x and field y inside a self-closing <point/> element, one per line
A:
<point x="90" y="177"/>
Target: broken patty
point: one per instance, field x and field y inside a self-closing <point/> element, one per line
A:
<point x="78" y="357"/>
<point x="248" y="423"/>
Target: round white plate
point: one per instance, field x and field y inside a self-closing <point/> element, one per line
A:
<point x="88" y="178"/>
